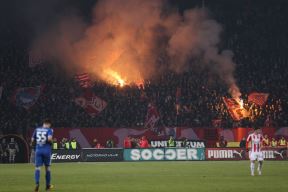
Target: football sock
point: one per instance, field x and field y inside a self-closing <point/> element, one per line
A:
<point x="37" y="176"/>
<point x="48" y="177"/>
<point x="252" y="166"/>
<point x="260" y="165"/>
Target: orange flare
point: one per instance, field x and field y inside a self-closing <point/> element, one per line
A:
<point x="114" y="78"/>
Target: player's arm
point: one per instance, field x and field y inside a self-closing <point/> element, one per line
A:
<point x="247" y="143"/>
<point x="261" y="142"/>
<point x="50" y="136"/>
<point x="33" y="139"/>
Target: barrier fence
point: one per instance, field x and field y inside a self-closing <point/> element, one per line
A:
<point x="162" y="154"/>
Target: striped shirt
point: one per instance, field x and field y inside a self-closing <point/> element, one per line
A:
<point x="256" y="141"/>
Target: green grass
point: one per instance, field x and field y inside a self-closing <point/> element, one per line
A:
<point x="150" y="176"/>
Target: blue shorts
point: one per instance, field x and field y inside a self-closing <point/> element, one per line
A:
<point x="42" y="157"/>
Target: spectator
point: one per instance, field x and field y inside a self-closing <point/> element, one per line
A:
<point x="266" y="142"/>
<point x="110" y="143"/>
<point x="171" y="142"/>
<point x="63" y="143"/>
<point x="185" y="143"/>
<point x="96" y="144"/>
<point x="67" y="144"/>
<point x="282" y="142"/>
<point x="243" y="143"/>
<point x="127" y="142"/>
<point x="55" y="144"/>
<point x="274" y="143"/>
<point x="143" y="143"/>
<point x="222" y="142"/>
<point x="74" y="144"/>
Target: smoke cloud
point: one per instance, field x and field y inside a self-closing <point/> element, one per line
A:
<point x="137" y="39"/>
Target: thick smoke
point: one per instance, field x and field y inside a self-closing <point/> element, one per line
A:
<point x="130" y="37"/>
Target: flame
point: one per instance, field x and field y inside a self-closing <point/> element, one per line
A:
<point x="241" y="103"/>
<point x="115" y="78"/>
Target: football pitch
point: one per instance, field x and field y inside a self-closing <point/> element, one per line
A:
<point x="230" y="176"/>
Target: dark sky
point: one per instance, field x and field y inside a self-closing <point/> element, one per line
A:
<point x="42" y="12"/>
<point x="25" y="18"/>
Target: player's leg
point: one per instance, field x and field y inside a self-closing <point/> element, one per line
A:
<point x="259" y="169"/>
<point x="13" y="156"/>
<point x="260" y="163"/>
<point x="252" y="163"/>
<point x="10" y="156"/>
<point x="48" y="178"/>
<point x="47" y="162"/>
<point x="37" y="178"/>
<point x="252" y="167"/>
<point x="38" y="164"/>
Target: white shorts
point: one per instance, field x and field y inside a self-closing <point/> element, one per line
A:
<point x="256" y="156"/>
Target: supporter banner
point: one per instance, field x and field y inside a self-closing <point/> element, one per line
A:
<point x="92" y="155"/>
<point x="190" y="143"/>
<point x="26" y="97"/>
<point x="83" y="80"/>
<point x="66" y="156"/>
<point x="92" y="104"/>
<point x="258" y="98"/>
<point x="225" y="154"/>
<point x="152" y="116"/>
<point x="165" y="154"/>
<point x="235" y="110"/>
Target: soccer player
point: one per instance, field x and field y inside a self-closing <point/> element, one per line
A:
<point x="42" y="138"/>
<point x="255" y="140"/>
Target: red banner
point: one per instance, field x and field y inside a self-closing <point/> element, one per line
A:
<point x="83" y="80"/>
<point x="92" y="104"/>
<point x="258" y="98"/>
<point x="152" y="116"/>
<point x="236" y="111"/>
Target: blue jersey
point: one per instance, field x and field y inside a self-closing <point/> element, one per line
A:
<point x="43" y="148"/>
<point x="40" y="136"/>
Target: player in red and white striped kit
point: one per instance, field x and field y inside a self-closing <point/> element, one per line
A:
<point x="255" y="139"/>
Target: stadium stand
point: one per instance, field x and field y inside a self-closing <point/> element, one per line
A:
<point x="261" y="66"/>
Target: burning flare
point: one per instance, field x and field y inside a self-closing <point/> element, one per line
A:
<point x="114" y="78"/>
<point x="241" y="103"/>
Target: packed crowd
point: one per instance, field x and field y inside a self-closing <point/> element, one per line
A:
<point x="258" y="40"/>
<point x="266" y="142"/>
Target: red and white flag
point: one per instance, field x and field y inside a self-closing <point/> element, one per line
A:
<point x="84" y="80"/>
<point x="235" y="110"/>
<point x="258" y="98"/>
<point x="152" y="116"/>
<point x="92" y="104"/>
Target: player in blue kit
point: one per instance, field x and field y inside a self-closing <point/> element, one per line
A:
<point x="42" y="138"/>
